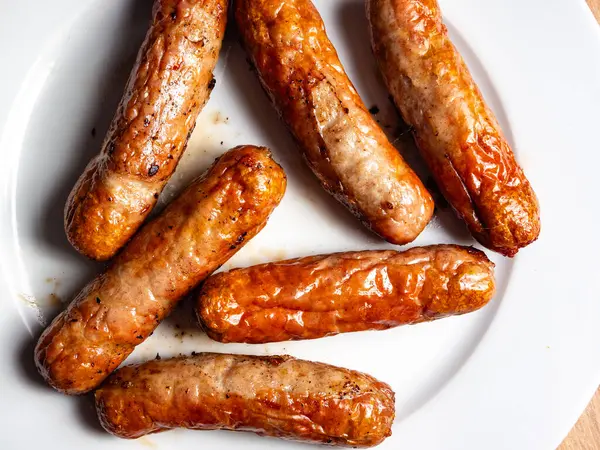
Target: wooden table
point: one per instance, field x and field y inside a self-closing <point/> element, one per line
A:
<point x="585" y="435"/>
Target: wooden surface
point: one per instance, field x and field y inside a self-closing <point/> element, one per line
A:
<point x="585" y="435"/>
<point x="595" y="7"/>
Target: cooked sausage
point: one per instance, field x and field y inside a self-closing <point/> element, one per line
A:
<point x="455" y="130"/>
<point x="169" y="85"/>
<point x="271" y="395"/>
<point x="308" y="298"/>
<point x="342" y="144"/>
<point x="195" y="234"/>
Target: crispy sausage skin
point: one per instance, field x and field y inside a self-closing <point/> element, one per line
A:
<point x="270" y="395"/>
<point x="302" y="74"/>
<point x="192" y="237"/>
<point x="170" y="83"/>
<point x="455" y="130"/>
<point x="316" y="296"/>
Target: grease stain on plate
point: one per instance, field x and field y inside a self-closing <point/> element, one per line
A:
<point x="210" y="139"/>
<point x="146" y="442"/>
<point x="53" y="300"/>
<point x="218" y="118"/>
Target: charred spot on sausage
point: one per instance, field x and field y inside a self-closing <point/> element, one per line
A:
<point x="153" y="170"/>
<point x="241" y="238"/>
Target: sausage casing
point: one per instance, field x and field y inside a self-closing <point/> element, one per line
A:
<point x="270" y="395"/>
<point x="455" y="130"/>
<point x="170" y="83"/>
<point x="316" y="296"/>
<point x="191" y="238"/>
<point x="304" y="78"/>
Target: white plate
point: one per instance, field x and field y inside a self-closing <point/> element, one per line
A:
<point x="514" y="375"/>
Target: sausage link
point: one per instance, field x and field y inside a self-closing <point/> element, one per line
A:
<point x="195" y="234"/>
<point x="304" y="78"/>
<point x="169" y="85"/>
<point x="270" y="395"/>
<point x="455" y="130"/>
<point x="308" y="298"/>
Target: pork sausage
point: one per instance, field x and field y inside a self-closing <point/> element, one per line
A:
<point x="455" y="130"/>
<point x="269" y="395"/>
<point x="308" y="298"/>
<point x="170" y="83"/>
<point x="192" y="237"/>
<point x="302" y="74"/>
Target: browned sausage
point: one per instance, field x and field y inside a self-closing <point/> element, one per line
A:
<point x="195" y="234"/>
<point x="270" y="395"/>
<point x="456" y="132"/>
<point x="342" y="144"/>
<point x="170" y="83"/>
<point x="317" y="296"/>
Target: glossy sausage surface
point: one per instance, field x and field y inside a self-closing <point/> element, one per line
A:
<point x="191" y="238"/>
<point x="170" y="83"/>
<point x="316" y="296"/>
<point x="302" y="74"/>
<point x="455" y="130"/>
<point x="269" y="395"/>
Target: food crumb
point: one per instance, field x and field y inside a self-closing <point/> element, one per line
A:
<point x="374" y="109"/>
<point x="94" y="132"/>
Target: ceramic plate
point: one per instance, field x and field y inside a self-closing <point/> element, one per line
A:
<point x="513" y="375"/>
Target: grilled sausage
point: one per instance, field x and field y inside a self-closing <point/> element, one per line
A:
<point x="308" y="298"/>
<point x="456" y="132"/>
<point x="342" y="144"/>
<point x="196" y="233"/>
<point x="169" y="85"/>
<point x="270" y="395"/>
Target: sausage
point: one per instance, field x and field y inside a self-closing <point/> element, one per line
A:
<point x="456" y="132"/>
<point x="345" y="148"/>
<point x="270" y="395"/>
<point x="316" y="296"/>
<point x="169" y="85"/>
<point x="200" y="230"/>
